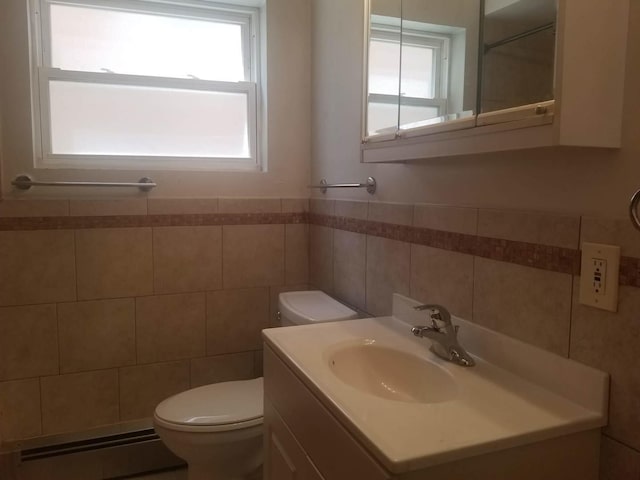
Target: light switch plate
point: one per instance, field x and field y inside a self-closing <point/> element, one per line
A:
<point x="599" y="276"/>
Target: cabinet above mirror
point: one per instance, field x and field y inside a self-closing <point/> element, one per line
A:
<point x="474" y="76"/>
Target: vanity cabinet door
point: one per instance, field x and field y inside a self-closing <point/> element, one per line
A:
<point x="331" y="447"/>
<point x="285" y="458"/>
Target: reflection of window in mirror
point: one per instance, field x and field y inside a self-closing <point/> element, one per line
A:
<point x="422" y="67"/>
<point x="519" y="53"/>
<point x="424" y="82"/>
<point x="384" y="76"/>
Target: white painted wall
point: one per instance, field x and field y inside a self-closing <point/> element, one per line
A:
<point x="288" y="87"/>
<point x="585" y="181"/>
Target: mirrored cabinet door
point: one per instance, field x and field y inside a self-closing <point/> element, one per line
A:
<point x="439" y="61"/>
<point x="383" y="76"/>
<point x="518" y="57"/>
<point x="422" y="66"/>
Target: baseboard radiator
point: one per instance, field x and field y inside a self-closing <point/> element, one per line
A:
<point x="91" y="444"/>
<point x="115" y="454"/>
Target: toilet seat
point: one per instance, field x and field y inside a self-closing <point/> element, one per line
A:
<point x="218" y="407"/>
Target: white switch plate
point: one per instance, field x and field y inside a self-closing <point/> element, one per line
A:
<point x="599" y="276"/>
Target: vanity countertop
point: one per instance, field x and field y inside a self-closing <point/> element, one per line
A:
<point x="515" y="395"/>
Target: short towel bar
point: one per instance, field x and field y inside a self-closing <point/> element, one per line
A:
<point x="370" y="185"/>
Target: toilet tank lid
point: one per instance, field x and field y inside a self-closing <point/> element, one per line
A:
<point x="312" y="306"/>
<point x="216" y="404"/>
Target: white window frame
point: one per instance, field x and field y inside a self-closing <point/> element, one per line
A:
<point x="43" y="73"/>
<point x="440" y="72"/>
<point x="439" y="42"/>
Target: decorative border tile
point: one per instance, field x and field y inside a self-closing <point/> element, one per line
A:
<point x="544" y="257"/>
<point x="136" y="221"/>
<point x="452" y="241"/>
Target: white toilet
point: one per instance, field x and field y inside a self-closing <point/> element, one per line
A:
<point x="217" y="429"/>
<point x="302" y="308"/>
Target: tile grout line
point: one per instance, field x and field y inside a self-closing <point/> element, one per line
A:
<point x="572" y="292"/>
<point x="153" y="261"/>
<point x="135" y="328"/>
<point x="206" y="327"/>
<point x="41" y="406"/>
<point x="58" y="337"/>
<point x="473" y="267"/>
<point x="75" y="262"/>
<point x="118" y="392"/>
<point x="411" y="252"/>
<point x="366" y="264"/>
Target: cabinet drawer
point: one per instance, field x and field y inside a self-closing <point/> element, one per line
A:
<point x="284" y="457"/>
<point x="334" y="452"/>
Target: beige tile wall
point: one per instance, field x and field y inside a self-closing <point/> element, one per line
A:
<point x="349" y="267"/>
<point x="536" y="306"/>
<point x="79" y="400"/>
<point x="388" y="272"/>
<point x="99" y="325"/>
<point x="114" y="262"/>
<point x="97" y="334"/>
<point x="187" y="259"/>
<point x="37" y="267"/>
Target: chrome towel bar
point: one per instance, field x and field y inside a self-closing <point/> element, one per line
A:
<point x="24" y="182"/>
<point x="371" y="185"/>
<point x="633" y="210"/>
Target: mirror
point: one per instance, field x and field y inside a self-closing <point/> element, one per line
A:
<point x="518" y="54"/>
<point x="423" y="60"/>
<point x="439" y="62"/>
<point x="422" y="64"/>
<point x="383" y="79"/>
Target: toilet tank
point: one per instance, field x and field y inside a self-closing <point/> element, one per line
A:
<point x="301" y="308"/>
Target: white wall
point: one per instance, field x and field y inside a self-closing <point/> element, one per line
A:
<point x="289" y="87"/>
<point x="584" y="181"/>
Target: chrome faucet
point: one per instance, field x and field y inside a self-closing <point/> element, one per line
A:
<point x="444" y="335"/>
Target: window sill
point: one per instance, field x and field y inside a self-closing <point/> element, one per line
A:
<point x="147" y="163"/>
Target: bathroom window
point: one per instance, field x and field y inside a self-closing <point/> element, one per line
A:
<point x="146" y="84"/>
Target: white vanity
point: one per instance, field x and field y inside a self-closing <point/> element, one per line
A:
<point x="365" y="399"/>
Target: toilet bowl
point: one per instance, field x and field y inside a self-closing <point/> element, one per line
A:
<point x="217" y="429"/>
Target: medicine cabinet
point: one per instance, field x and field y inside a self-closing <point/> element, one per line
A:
<point x="455" y="77"/>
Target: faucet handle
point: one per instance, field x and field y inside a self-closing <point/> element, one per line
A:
<point x="438" y="312"/>
<point x="426" y="306"/>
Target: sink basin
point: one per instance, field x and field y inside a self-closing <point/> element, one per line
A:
<point x="391" y="374"/>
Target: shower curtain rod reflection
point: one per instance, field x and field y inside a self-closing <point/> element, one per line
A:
<point x="490" y="46"/>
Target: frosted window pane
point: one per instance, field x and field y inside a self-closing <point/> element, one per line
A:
<point x="413" y="114"/>
<point x="98" y="40"/>
<point x="417" y="71"/>
<point x="384" y="67"/>
<point x="94" y="119"/>
<point x="381" y="116"/>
